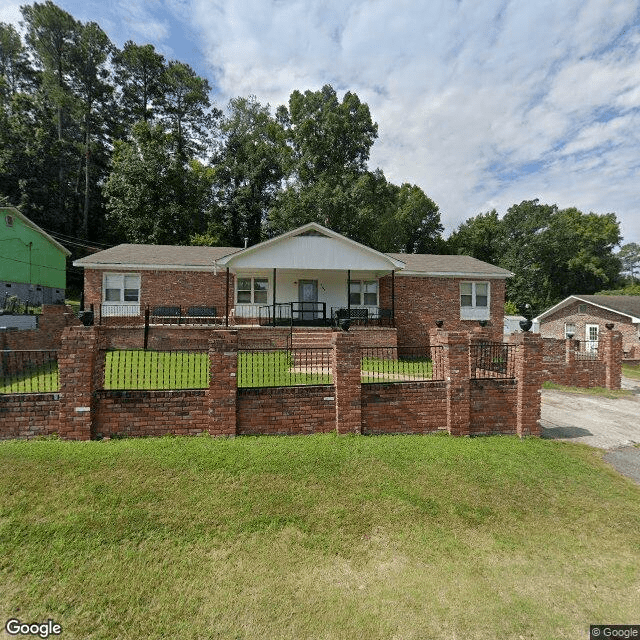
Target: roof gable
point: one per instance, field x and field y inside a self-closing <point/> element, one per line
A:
<point x="12" y="211"/>
<point x="312" y="246"/>
<point x="625" y="305"/>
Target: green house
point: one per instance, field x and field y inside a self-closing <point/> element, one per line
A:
<point x="32" y="263"/>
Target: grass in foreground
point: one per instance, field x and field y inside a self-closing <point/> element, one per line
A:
<point x="591" y="391"/>
<point x="317" y="537"/>
<point x="631" y="371"/>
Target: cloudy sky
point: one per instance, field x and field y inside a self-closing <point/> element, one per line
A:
<point x="482" y="104"/>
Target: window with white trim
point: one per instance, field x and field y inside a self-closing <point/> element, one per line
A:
<point x="474" y="301"/>
<point x="121" y="287"/>
<point x="363" y="293"/>
<point x="252" y="290"/>
<point x="569" y="328"/>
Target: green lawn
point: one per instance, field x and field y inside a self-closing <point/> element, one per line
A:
<point x="631" y="371"/>
<point x="38" y="379"/>
<point x="402" y="369"/>
<point x="322" y="537"/>
<point x="591" y="391"/>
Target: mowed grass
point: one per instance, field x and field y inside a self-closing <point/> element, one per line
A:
<point x="590" y="391"/>
<point x="389" y="370"/>
<point x="41" y="379"/>
<point x="631" y="371"/>
<point x="324" y="537"/>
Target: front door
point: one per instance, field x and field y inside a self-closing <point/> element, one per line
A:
<point x="308" y="298"/>
<point x="591" y="338"/>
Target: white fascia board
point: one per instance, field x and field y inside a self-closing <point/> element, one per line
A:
<point x="145" y="267"/>
<point x="455" y="274"/>
<point x="311" y="226"/>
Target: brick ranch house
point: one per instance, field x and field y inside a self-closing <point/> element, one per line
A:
<point x="584" y="317"/>
<point x="309" y="277"/>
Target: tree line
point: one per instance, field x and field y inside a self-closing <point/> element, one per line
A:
<point x="121" y="145"/>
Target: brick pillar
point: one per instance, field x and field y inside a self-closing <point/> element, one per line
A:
<point x="611" y="348"/>
<point x="347" y="381"/>
<point x="456" y="373"/>
<point x="529" y="375"/>
<point x="76" y="367"/>
<point x="223" y="383"/>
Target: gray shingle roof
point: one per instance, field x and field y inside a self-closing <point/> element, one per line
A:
<point x="447" y="264"/>
<point x="148" y="255"/>
<point x="157" y="254"/>
<point x="629" y="305"/>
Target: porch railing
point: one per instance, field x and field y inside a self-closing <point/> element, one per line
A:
<point x="290" y="313"/>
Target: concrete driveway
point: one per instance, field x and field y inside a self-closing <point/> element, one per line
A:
<point x="613" y="425"/>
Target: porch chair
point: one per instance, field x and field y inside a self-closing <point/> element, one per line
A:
<point x="166" y="313"/>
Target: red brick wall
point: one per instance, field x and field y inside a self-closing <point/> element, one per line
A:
<point x="167" y="288"/>
<point x="420" y="301"/>
<point x="150" y="413"/>
<point x="415" y="407"/>
<point x="286" y="411"/>
<point x="493" y="407"/>
<point x="584" y="373"/>
<point x="53" y="320"/>
<point x="28" y="415"/>
<point x="553" y="325"/>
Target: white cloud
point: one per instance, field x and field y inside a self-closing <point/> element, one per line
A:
<point x="10" y="13"/>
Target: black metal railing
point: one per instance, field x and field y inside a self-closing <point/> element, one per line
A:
<point x="149" y="370"/>
<point x="34" y="371"/>
<point x="284" y="367"/>
<point x="401" y="364"/>
<point x="492" y="360"/>
<point x="293" y="313"/>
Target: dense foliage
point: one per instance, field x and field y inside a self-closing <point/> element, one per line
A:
<point x="124" y="146"/>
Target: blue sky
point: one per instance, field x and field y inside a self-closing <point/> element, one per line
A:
<point x="482" y="104"/>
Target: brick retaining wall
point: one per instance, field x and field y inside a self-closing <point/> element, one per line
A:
<point x="413" y="407"/>
<point x="286" y="410"/>
<point x="27" y="415"/>
<point x="493" y="407"/>
<point x="150" y="413"/>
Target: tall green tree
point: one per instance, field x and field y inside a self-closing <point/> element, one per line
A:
<point x="16" y="72"/>
<point x="629" y="256"/>
<point x="93" y="91"/>
<point x="185" y="108"/>
<point x="552" y="252"/>
<point x="152" y="195"/>
<point x="139" y="70"/>
<point x="52" y="35"/>
<point x="249" y="169"/>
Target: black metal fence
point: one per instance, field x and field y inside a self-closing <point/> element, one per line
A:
<point x="34" y="371"/>
<point x="284" y="367"/>
<point x="149" y="370"/>
<point x="401" y="364"/>
<point x="492" y="360"/>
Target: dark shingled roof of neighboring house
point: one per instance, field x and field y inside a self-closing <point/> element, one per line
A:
<point x="629" y="305"/>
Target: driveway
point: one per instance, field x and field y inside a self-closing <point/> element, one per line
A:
<point x="613" y="425"/>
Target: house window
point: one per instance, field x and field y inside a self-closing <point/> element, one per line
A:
<point x="474" y="300"/>
<point x="363" y="293"/>
<point x="9" y="220"/>
<point x="582" y="308"/>
<point x="121" y="287"/>
<point x="252" y="291"/>
<point x="569" y="328"/>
